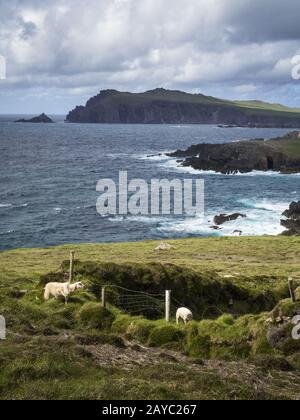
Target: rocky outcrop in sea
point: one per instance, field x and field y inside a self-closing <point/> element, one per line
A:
<point x="279" y="154"/>
<point x="292" y="221"/>
<point x="43" y="118"/>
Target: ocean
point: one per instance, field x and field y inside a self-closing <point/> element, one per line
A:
<point x="49" y="173"/>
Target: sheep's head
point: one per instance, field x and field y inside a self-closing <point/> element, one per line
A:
<point x="76" y="286"/>
<point x="79" y="285"/>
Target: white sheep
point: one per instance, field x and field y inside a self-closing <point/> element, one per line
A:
<point x="61" y="289"/>
<point x="185" y="314"/>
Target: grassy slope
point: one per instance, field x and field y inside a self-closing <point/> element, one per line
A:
<point x="250" y="107"/>
<point x="248" y="255"/>
<point x="289" y="146"/>
<point x="43" y="358"/>
<point x="265" y="105"/>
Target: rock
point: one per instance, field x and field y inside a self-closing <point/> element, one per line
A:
<point x="215" y="228"/>
<point x="198" y="362"/>
<point x="168" y="357"/>
<point x="137" y="348"/>
<point x="18" y="294"/>
<point x="164" y="247"/>
<point x="223" y="218"/>
<point x="292" y="223"/>
<point x="160" y="106"/>
<point x="245" y="156"/>
<point x="276" y="335"/>
<point x="237" y="232"/>
<point x="43" y="118"/>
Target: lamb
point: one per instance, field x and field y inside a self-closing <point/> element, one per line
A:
<point x="61" y="289"/>
<point x="184" y="314"/>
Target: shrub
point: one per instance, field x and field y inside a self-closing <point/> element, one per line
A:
<point x="140" y="330"/>
<point x="95" y="316"/>
<point x="200" y="347"/>
<point x="164" y="334"/>
<point x="226" y="319"/>
<point x="191" y="330"/>
<point x="121" y="324"/>
<point x="100" y="338"/>
<point x="272" y="362"/>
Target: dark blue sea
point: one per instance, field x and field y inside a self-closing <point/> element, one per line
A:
<point x="48" y="177"/>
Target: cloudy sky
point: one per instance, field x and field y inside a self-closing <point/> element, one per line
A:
<point x="60" y="52"/>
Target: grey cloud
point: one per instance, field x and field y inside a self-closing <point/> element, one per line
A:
<point x="72" y="47"/>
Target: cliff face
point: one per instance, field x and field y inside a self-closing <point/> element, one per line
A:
<point x="281" y="155"/>
<point x="172" y="107"/>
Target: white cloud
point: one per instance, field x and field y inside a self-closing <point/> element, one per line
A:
<point x="72" y="47"/>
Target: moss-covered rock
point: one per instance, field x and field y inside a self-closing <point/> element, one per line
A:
<point x="286" y="308"/>
<point x="95" y="316"/>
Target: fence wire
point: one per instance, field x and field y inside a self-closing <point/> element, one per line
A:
<point x="135" y="302"/>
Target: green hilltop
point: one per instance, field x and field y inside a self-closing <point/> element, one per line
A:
<point x="163" y="106"/>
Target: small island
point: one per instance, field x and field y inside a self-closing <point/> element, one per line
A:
<point x="41" y="119"/>
<point x="279" y="154"/>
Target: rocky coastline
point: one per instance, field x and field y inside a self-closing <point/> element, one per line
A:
<point x="280" y="155"/>
<point x="161" y="106"/>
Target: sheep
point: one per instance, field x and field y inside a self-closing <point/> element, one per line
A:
<point x="61" y="289"/>
<point x="184" y="314"/>
<point x="163" y="246"/>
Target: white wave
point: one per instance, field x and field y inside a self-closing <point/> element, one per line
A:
<point x="173" y="164"/>
<point x="190" y="225"/>
<point x="263" y="218"/>
<point x="139" y="219"/>
<point x="274" y="206"/>
<point x="8" y="232"/>
<point x="159" y="157"/>
<point x="58" y="209"/>
<point x="10" y="206"/>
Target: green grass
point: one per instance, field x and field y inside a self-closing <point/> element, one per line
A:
<point x="275" y="257"/>
<point x="260" y="105"/>
<point x="53" y="351"/>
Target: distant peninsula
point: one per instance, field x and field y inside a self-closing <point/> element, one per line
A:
<point x="43" y="118"/>
<point x="279" y="154"/>
<point x="162" y="106"/>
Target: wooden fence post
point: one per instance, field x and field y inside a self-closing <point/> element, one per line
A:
<point x="103" y="300"/>
<point x="72" y="254"/>
<point x="168" y="305"/>
<point x="292" y="290"/>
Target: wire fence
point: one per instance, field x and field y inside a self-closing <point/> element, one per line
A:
<point x="136" y="302"/>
